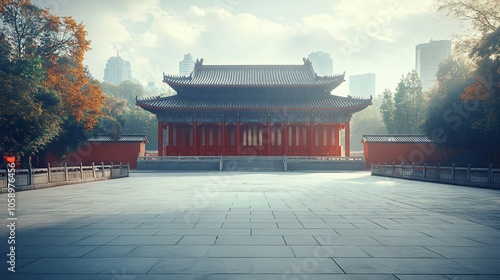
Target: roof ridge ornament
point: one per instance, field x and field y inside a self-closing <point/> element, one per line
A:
<point x="307" y="62"/>
<point x="199" y="62"/>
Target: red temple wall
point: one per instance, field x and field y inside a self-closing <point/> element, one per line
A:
<point x="106" y="152"/>
<point x="418" y="153"/>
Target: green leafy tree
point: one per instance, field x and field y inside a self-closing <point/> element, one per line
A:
<point x="139" y="121"/>
<point x="126" y="90"/>
<point x="484" y="16"/>
<point x="401" y="108"/>
<point x="387" y="111"/>
<point x="480" y="127"/>
<point x="30" y="113"/>
<point x="123" y="117"/>
<point x="409" y="105"/>
<point x="416" y="100"/>
<point x="486" y="87"/>
<point x="113" y="119"/>
<point x="404" y="112"/>
<point x="368" y="121"/>
<point x="447" y="121"/>
<point x="451" y="121"/>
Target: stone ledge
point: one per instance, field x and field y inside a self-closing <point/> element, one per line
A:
<point x="448" y="182"/>
<point x="55" y="184"/>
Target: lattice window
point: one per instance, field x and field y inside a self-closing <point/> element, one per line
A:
<point x="290" y="136"/>
<point x="203" y="134"/>
<point x="183" y="136"/>
<point x="279" y="137"/>
<point x="232" y="138"/>
<point x="211" y="136"/>
<point x="304" y="135"/>
<point x="191" y="136"/>
<point x="260" y="136"/>
<point x="273" y="138"/>
<point x="254" y="135"/>
<point x="334" y="131"/>
<point x="245" y="137"/>
<point x="219" y="136"/>
<point x="165" y="136"/>
<point x="316" y="136"/>
<point x="325" y="137"/>
<point x="174" y="136"/>
<point x="297" y="136"/>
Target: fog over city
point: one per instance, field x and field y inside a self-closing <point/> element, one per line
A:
<point x="361" y="36"/>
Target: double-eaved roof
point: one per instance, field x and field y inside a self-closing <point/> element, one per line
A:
<point x="253" y="87"/>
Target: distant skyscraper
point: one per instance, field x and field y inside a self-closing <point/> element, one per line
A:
<point x="322" y="63"/>
<point x="362" y="85"/>
<point x="117" y="70"/>
<point x="152" y="90"/>
<point x="427" y="59"/>
<point x="186" y="65"/>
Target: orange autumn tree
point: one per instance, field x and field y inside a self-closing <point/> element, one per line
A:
<point x="65" y="71"/>
<point x="57" y="45"/>
<point x="66" y="74"/>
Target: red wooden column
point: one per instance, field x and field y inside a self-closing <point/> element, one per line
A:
<point x="311" y="138"/>
<point x="238" y="144"/>
<point x="284" y="138"/>
<point x="329" y="139"/>
<point x="337" y="140"/>
<point x="347" y="139"/>
<point x="268" y="134"/>
<point x="195" y="137"/>
<point x="223" y="135"/>
<point x="170" y="141"/>
<point x="160" y="138"/>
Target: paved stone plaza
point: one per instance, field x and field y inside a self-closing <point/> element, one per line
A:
<point x="224" y="225"/>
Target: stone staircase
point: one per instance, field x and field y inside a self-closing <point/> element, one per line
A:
<point x="253" y="164"/>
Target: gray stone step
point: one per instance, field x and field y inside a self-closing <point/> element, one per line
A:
<point x="252" y="164"/>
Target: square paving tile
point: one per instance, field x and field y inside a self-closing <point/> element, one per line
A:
<point x="401" y="266"/>
<point x="168" y="252"/>
<point x="300" y="240"/>
<point x="145" y="240"/>
<point x="197" y="240"/>
<point x="254" y="251"/>
<point x="250" y="240"/>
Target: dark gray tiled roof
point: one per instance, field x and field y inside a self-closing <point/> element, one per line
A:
<point x="188" y="102"/>
<point x="123" y="138"/>
<point x="253" y="75"/>
<point x="397" y="138"/>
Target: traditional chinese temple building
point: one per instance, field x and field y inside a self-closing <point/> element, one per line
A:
<point x="264" y="110"/>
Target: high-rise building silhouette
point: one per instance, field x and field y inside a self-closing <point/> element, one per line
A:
<point x="186" y="65"/>
<point x="427" y="59"/>
<point x="117" y="70"/>
<point x="362" y="85"/>
<point x="321" y="62"/>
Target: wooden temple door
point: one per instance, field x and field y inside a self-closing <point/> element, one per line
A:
<point x="230" y="142"/>
<point x="298" y="140"/>
<point x="335" y="147"/>
<point x="277" y="132"/>
<point x="182" y="140"/>
<point x="322" y="140"/>
<point x="253" y="141"/>
<point x="209" y="139"/>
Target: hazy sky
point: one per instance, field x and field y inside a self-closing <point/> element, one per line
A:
<point x="377" y="36"/>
